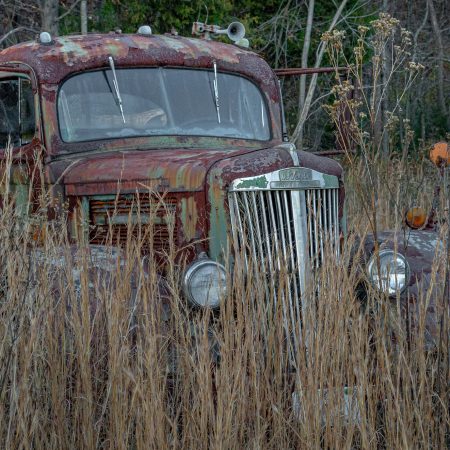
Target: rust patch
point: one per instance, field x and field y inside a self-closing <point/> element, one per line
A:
<point x="189" y="218"/>
<point x="72" y="53"/>
<point x="163" y="170"/>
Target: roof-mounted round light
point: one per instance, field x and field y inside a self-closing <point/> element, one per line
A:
<point x="45" y="38"/>
<point x="145" y="30"/>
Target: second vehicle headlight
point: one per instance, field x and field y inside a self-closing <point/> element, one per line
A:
<point x="392" y="275"/>
<point x="205" y="283"/>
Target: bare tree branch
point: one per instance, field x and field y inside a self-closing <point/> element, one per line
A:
<point x="305" y="53"/>
<point x="69" y="10"/>
<point x="14" y="31"/>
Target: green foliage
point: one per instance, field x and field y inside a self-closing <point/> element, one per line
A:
<point x="161" y="16"/>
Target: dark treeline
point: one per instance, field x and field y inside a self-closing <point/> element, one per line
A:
<point x="288" y="33"/>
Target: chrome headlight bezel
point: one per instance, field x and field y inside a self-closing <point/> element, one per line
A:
<point x="389" y="259"/>
<point x="194" y="270"/>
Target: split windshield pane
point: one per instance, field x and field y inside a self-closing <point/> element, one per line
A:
<point x="160" y="101"/>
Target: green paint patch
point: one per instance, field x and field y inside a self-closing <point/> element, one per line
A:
<point x="185" y="214"/>
<point x="330" y="181"/>
<point x="68" y="46"/>
<point x="155" y="173"/>
<point x="114" y="50"/>
<point x="259" y="182"/>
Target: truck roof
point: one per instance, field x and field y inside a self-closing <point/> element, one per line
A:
<point x="69" y="54"/>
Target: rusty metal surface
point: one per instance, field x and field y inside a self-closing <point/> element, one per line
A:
<point x="320" y="163"/>
<point x="179" y="173"/>
<point x="425" y="253"/>
<point x="116" y="218"/>
<point x="334" y="152"/>
<point x="54" y="62"/>
<point x="198" y="178"/>
<point x="173" y="170"/>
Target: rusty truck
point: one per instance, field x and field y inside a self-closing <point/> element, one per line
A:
<point x="200" y="122"/>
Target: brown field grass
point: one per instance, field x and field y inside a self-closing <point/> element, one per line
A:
<point x="92" y="359"/>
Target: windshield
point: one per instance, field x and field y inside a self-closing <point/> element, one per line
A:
<point x="159" y="101"/>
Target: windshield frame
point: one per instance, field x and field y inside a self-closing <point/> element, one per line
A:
<point x="158" y="137"/>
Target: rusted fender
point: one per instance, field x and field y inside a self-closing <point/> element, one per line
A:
<point x="426" y="253"/>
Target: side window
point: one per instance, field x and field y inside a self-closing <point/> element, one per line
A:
<point x="17" y="121"/>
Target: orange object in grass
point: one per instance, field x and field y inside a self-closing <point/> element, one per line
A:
<point x="416" y="217"/>
<point x="440" y="154"/>
<point x="38" y="235"/>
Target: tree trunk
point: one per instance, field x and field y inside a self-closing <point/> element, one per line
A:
<point x="385" y="90"/>
<point x="83" y="16"/>
<point x="305" y="53"/>
<point x="440" y="60"/>
<point x="49" y="16"/>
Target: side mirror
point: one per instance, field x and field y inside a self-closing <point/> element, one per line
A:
<point x="440" y="154"/>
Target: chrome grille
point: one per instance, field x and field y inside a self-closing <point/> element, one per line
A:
<point x="269" y="227"/>
<point x="284" y="225"/>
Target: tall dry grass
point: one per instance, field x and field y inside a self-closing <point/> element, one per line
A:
<point x="92" y="358"/>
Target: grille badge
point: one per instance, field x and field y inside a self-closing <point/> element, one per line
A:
<point x="290" y="178"/>
<point x="296" y="174"/>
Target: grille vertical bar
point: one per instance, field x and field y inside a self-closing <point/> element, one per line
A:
<point x="323" y="223"/>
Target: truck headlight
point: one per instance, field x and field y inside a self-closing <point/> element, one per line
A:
<point x="204" y="283"/>
<point x="393" y="275"/>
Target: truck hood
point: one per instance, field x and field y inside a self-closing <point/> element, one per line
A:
<point x="171" y="170"/>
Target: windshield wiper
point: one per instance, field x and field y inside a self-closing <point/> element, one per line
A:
<point x="116" y="87"/>
<point x="216" y="92"/>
